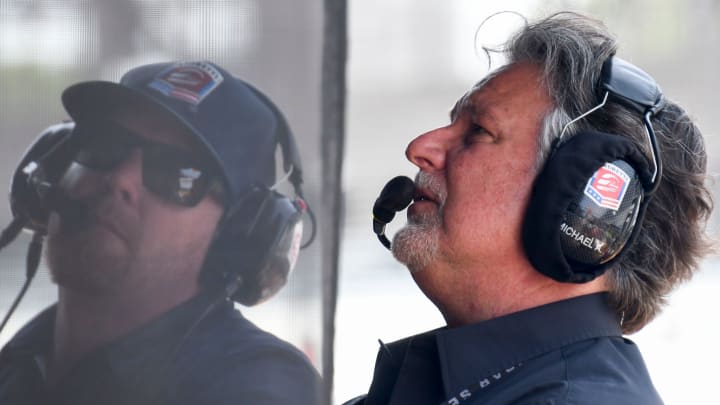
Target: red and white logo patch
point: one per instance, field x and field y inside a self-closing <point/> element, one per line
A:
<point x="607" y="186"/>
<point x="188" y="81"/>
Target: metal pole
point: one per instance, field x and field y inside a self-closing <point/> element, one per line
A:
<point x="332" y="144"/>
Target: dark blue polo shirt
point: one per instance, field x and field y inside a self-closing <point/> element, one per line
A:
<point x="567" y="352"/>
<point x="224" y="359"/>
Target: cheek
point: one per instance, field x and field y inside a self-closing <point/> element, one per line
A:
<point x="488" y="200"/>
<point x="179" y="229"/>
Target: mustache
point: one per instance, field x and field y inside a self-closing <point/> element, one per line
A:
<point x="433" y="186"/>
<point x="106" y="210"/>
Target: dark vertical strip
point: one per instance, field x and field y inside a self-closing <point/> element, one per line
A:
<point x="332" y="144"/>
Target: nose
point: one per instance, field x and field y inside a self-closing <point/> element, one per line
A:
<point x="125" y="180"/>
<point x="428" y="151"/>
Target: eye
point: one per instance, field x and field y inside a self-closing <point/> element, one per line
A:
<point x="478" y="134"/>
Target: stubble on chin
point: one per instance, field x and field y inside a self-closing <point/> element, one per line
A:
<point x="79" y="261"/>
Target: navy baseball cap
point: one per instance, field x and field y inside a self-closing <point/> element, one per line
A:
<point x="238" y="125"/>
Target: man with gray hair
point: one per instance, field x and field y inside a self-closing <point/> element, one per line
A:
<point x="561" y="204"/>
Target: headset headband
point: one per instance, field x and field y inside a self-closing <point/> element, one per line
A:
<point x="291" y="157"/>
<point x="632" y="87"/>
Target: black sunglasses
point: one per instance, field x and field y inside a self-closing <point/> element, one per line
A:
<point x="175" y="174"/>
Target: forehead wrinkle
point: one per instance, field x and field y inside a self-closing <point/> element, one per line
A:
<point x="466" y="103"/>
<point x="480" y="108"/>
<point x="461" y="105"/>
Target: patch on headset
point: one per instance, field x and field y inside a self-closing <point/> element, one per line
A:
<point x="607" y="186"/>
<point x="187" y="81"/>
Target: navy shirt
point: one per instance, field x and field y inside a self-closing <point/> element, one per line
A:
<point x="224" y="359"/>
<point x="567" y="352"/>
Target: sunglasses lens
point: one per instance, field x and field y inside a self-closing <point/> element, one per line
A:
<point x="174" y="175"/>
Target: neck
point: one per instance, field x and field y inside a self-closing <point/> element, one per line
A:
<point x="466" y="296"/>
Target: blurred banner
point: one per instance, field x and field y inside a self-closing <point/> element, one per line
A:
<point x="277" y="45"/>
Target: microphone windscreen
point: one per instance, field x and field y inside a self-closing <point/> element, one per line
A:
<point x="395" y="196"/>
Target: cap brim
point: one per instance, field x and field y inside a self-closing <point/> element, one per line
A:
<point x="103" y="99"/>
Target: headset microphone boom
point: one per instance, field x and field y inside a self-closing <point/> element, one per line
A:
<point x="395" y="196"/>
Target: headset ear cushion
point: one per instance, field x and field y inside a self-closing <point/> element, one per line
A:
<point x="45" y="161"/>
<point x="563" y="225"/>
<point x="257" y="245"/>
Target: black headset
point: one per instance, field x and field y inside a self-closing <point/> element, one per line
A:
<point x="259" y="237"/>
<point x="32" y="189"/>
<point x="589" y="199"/>
<point x="257" y="240"/>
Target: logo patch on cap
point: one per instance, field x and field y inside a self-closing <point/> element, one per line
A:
<point x="189" y="81"/>
<point x="607" y="186"/>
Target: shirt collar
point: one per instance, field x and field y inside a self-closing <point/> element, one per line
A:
<point x="161" y="338"/>
<point x="512" y="339"/>
<point x="124" y="356"/>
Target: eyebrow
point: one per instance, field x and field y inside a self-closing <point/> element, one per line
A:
<point x="465" y="103"/>
<point x="484" y="109"/>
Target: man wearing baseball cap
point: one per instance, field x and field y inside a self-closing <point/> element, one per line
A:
<point x="163" y="212"/>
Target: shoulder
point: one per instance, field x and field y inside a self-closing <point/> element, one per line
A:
<point x="35" y="336"/>
<point x="595" y="371"/>
<point x="20" y="374"/>
<point x="233" y="360"/>
<point x="609" y="370"/>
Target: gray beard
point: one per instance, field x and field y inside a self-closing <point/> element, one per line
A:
<point x="416" y="244"/>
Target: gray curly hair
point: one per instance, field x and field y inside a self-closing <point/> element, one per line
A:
<point x="570" y="49"/>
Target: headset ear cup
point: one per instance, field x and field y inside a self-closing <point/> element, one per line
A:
<point x="574" y="230"/>
<point x="279" y="239"/>
<point x="257" y="245"/>
<point x="42" y="165"/>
